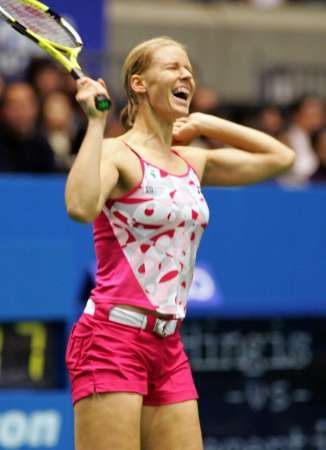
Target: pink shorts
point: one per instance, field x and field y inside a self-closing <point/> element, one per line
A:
<point x="104" y="356"/>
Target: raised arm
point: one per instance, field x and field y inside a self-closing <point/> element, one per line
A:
<point x="93" y="174"/>
<point x="252" y="156"/>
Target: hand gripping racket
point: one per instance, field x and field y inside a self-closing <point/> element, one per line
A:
<point x="51" y="32"/>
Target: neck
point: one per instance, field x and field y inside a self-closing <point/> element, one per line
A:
<point x="151" y="131"/>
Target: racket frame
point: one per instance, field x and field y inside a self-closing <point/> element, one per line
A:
<point x="66" y="56"/>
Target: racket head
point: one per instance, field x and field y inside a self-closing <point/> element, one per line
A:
<point x="51" y="32"/>
<point x="46" y="28"/>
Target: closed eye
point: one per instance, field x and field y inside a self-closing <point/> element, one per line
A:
<point x="177" y="67"/>
<point x="174" y="67"/>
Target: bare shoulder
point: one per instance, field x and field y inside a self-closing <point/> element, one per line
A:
<point x="114" y="151"/>
<point x="195" y="156"/>
<point x="113" y="148"/>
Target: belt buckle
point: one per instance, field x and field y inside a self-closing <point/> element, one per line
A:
<point x="165" y="328"/>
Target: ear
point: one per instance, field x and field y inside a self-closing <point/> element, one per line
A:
<point x="138" y="84"/>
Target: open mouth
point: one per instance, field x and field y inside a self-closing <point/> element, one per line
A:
<point x="181" y="94"/>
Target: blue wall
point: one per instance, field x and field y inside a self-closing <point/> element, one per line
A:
<point x="263" y="254"/>
<point x="42" y="252"/>
<point x="265" y="249"/>
<point x="88" y="16"/>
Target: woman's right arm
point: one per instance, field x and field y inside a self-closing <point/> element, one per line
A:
<point x="93" y="174"/>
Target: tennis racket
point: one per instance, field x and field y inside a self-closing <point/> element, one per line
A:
<point x="51" y="32"/>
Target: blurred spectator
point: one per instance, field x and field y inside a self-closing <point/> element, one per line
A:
<point x="306" y="118"/>
<point x="319" y="144"/>
<point x="270" y="120"/>
<point x="69" y="88"/>
<point x="22" y="147"/>
<point x="58" y="126"/>
<point x="2" y="86"/>
<point x="45" y="76"/>
<point x="114" y="127"/>
<point x="205" y="100"/>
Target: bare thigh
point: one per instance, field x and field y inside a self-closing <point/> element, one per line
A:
<point x="171" y="427"/>
<point x="108" y="422"/>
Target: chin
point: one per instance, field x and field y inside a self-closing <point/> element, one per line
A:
<point x="184" y="114"/>
<point x="173" y="113"/>
<point x="178" y="112"/>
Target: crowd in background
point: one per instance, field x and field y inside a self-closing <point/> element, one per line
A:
<point x="41" y="124"/>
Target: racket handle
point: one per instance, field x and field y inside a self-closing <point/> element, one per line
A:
<point x="102" y="102"/>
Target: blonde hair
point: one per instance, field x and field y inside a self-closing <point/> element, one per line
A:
<point x="138" y="60"/>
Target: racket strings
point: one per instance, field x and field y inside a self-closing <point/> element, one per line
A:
<point x="38" y="21"/>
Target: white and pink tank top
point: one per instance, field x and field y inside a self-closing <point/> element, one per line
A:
<point x="146" y="242"/>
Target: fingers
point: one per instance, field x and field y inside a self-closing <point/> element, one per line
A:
<point x="176" y="131"/>
<point x="178" y="126"/>
<point x="181" y="121"/>
<point x="102" y="82"/>
<point x="87" y="90"/>
<point x="88" y="87"/>
<point x="184" y="130"/>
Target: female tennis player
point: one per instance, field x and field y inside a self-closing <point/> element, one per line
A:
<point x="131" y="382"/>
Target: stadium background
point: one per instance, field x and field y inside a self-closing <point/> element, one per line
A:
<point x="256" y="330"/>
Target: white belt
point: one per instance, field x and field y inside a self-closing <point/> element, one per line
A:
<point x="117" y="314"/>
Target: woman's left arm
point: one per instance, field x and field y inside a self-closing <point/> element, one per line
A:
<point x="253" y="156"/>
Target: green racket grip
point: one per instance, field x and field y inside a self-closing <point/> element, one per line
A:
<point x="102" y="102"/>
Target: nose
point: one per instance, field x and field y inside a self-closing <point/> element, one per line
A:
<point x="185" y="73"/>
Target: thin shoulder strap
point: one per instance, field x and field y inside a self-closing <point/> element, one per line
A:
<point x="182" y="157"/>
<point x="141" y="160"/>
<point x="186" y="161"/>
<point x="133" y="150"/>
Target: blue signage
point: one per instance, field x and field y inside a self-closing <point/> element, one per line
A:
<point x="36" y="420"/>
<point x="205" y="296"/>
<point x="260" y="255"/>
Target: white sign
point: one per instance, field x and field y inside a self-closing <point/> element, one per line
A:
<point x="39" y="429"/>
<point x="203" y="286"/>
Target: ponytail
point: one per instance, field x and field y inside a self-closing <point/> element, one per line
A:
<point x="128" y="114"/>
<point x="124" y="118"/>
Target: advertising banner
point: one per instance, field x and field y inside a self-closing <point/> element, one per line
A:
<point x="36" y="421"/>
